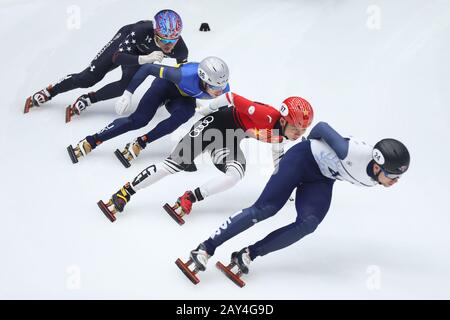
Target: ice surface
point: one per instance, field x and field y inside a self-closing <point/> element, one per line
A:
<point x="372" y="83"/>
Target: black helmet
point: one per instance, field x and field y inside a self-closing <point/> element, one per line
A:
<point x="391" y="155"/>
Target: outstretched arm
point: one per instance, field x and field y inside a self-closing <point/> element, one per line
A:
<point x="224" y="100"/>
<point x="324" y="131"/>
<point x="172" y="74"/>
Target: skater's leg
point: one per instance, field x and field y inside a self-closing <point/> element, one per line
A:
<point x="155" y="96"/>
<point x="312" y="203"/>
<point x="97" y="69"/>
<point x="93" y="74"/>
<point x="220" y="184"/>
<point x="181" y="110"/>
<point x="274" y="196"/>
<point x="84" y="79"/>
<point x="230" y="162"/>
<point x="181" y="159"/>
<point x="115" y="89"/>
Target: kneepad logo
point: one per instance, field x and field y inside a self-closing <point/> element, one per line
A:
<point x="144" y="174"/>
<point x="198" y="129"/>
<point x="109" y="126"/>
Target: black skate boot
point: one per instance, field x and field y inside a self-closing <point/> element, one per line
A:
<point x="199" y="257"/>
<point x="117" y="202"/>
<point x="131" y="151"/>
<point x="38" y="99"/>
<point x="239" y="262"/>
<point x="78" y="106"/>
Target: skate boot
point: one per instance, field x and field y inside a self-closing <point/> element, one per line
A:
<point x="237" y="267"/>
<point x="199" y="257"/>
<point x="78" y="106"/>
<point x="131" y="151"/>
<point x="184" y="204"/>
<point x="117" y="202"/>
<point x="37" y="99"/>
<point x="81" y="150"/>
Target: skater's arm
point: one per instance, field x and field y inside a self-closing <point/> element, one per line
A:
<point x="130" y="49"/>
<point x="277" y="154"/>
<point x="125" y="59"/>
<point x="127" y="54"/>
<point x="262" y="115"/>
<point x="181" y="51"/>
<point x="213" y="105"/>
<point x="324" y="131"/>
<point x="164" y="72"/>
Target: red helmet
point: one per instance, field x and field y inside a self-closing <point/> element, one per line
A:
<point x="297" y="112"/>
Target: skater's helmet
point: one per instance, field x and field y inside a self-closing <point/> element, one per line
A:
<point x="214" y="71"/>
<point x="168" y="24"/>
<point x="392" y="156"/>
<point x="297" y="112"/>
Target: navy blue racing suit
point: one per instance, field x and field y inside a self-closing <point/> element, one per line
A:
<point x="123" y="50"/>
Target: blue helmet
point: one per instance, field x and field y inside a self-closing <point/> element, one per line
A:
<point x="168" y="24"/>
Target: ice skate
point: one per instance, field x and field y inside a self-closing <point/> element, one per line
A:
<point x="129" y="153"/>
<point x="199" y="258"/>
<point x="78" y="106"/>
<point x="38" y="99"/>
<point x="81" y="150"/>
<point x="182" y="207"/>
<point x="237" y="267"/>
<point x="116" y="203"/>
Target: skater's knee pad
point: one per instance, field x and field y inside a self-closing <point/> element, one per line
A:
<point x="260" y="213"/>
<point x="234" y="175"/>
<point x="307" y="225"/>
<point x="182" y="115"/>
<point x="137" y="122"/>
<point x="178" y="165"/>
<point x="232" y="167"/>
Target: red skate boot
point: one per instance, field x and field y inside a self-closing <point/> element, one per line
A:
<point x="184" y="203"/>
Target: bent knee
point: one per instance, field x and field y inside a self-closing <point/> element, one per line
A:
<point x="260" y="213"/>
<point x="136" y="122"/>
<point x="85" y="80"/>
<point x="307" y="225"/>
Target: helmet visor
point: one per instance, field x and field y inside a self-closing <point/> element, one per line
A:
<point x="215" y="88"/>
<point x="392" y="176"/>
<point x="166" y="40"/>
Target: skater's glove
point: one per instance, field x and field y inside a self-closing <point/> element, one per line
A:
<point x="123" y="103"/>
<point x="205" y="109"/>
<point x="151" y="58"/>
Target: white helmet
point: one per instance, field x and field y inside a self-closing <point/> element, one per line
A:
<point x="214" y="71"/>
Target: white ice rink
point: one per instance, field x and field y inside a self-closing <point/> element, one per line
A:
<point x="373" y="69"/>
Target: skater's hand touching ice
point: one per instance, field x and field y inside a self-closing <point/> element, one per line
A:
<point x="123" y="103"/>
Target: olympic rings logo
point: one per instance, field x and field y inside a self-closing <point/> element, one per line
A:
<point x="198" y="129"/>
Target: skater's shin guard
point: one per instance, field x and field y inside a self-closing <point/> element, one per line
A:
<point x="224" y="182"/>
<point x="150" y="175"/>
